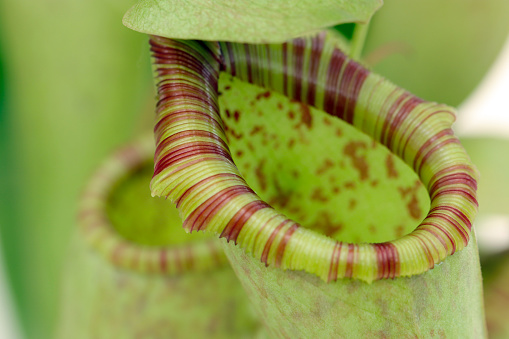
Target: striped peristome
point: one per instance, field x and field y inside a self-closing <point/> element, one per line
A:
<point x="194" y="167"/>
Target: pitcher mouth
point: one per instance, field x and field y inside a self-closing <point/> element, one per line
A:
<point x="99" y="232"/>
<point x="195" y="169"/>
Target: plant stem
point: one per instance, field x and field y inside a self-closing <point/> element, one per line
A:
<point x="358" y="40"/>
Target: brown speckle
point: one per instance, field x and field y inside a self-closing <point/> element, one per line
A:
<point x="282" y="198"/>
<point x="306" y="117"/>
<point x="325" y="224"/>
<point x="239" y="153"/>
<point x="236" y="135"/>
<point x="389" y="165"/>
<point x="338" y="132"/>
<point x="351" y="150"/>
<point x="291" y="143"/>
<point x="236" y="115"/>
<point x="350" y="185"/>
<point x="263" y="95"/>
<point x="260" y="176"/>
<point x="413" y="207"/>
<point x="413" y="203"/>
<point x="318" y="195"/>
<point x="256" y="129"/>
<point x="352" y="203"/>
<point x="327" y="164"/>
<point x="291" y="115"/>
<point x="279" y="106"/>
<point x="400" y="231"/>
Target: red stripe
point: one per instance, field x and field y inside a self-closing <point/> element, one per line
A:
<point x="268" y="61"/>
<point x="419" y="126"/>
<point x="438" y="237"/>
<point x="231" y="56"/>
<point x="299" y="46"/>
<point x="163" y="260"/>
<point x="333" y="268"/>
<point x="285" y="69"/>
<point x="336" y="64"/>
<point x="314" y="64"/>
<point x="461" y="192"/>
<point x="235" y="225"/>
<point x="186" y="115"/>
<point x="392" y="110"/>
<point x="444" y="231"/>
<point x="429" y="142"/>
<point x="161" y="145"/>
<point x="355" y="87"/>
<point x="344" y="84"/>
<point x="207" y="210"/>
<point x="434" y="149"/>
<point x="350" y="261"/>
<point x="452" y="168"/>
<point x="448" y="219"/>
<point x="454" y="179"/>
<point x="280" y="251"/>
<point x="248" y="63"/>
<point x="191" y="151"/>
<point x="456" y="212"/>
<point x="431" y="262"/>
<point x="268" y="244"/>
<point x="203" y="182"/>
<point x="401" y="116"/>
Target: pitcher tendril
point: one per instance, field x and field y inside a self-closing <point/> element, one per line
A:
<point x="194" y="167"/>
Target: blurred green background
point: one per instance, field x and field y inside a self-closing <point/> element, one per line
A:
<point x="75" y="83"/>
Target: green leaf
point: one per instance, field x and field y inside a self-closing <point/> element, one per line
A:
<point x="244" y="21"/>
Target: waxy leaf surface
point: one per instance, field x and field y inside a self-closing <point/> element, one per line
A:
<point x="244" y="21"/>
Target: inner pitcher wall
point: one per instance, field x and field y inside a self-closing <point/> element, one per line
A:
<point x="317" y="169"/>
<point x="142" y="219"/>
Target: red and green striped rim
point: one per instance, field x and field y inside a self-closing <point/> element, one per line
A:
<point x="194" y="167"/>
<point x="100" y="234"/>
